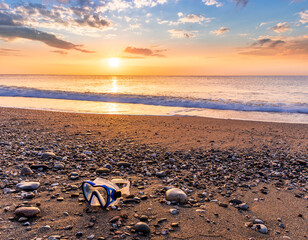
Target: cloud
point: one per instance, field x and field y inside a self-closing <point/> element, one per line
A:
<point x="221" y="31"/>
<point x="189" y="18"/>
<point x="145" y="51"/>
<point x="178" y="33"/>
<point x="212" y="2"/>
<point x="271" y="46"/>
<point x="16" y="24"/>
<point x="281" y="27"/>
<point x="267" y="42"/>
<point x="13" y="32"/>
<point x="148" y="3"/>
<point x="40" y="15"/>
<point x="9" y="52"/>
<point x="304" y="17"/>
<point x="7" y="20"/>
<point x="4" y="6"/>
<point x="192" y="18"/>
<point x="86" y="17"/>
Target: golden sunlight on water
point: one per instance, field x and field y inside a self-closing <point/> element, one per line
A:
<point x="115" y="87"/>
<point x="111" y="108"/>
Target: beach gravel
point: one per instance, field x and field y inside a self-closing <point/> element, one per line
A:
<point x="224" y="175"/>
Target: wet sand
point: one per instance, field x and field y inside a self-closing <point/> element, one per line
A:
<point x="212" y="160"/>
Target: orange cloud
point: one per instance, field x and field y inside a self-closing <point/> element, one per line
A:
<point x="145" y="51"/>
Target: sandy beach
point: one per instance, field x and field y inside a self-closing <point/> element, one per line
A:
<point x="214" y="161"/>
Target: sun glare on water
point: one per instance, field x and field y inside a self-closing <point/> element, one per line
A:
<point x="114" y="62"/>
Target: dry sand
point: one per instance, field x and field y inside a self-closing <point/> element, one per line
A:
<point x="225" y="159"/>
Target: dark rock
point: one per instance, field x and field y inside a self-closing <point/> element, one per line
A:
<point x="142" y="227"/>
<point x="123" y="164"/>
<point x="103" y="170"/>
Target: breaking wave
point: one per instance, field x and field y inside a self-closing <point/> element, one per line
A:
<point x="167" y="101"/>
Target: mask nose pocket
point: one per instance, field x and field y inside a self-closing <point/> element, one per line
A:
<point x="94" y="201"/>
<point x="100" y="195"/>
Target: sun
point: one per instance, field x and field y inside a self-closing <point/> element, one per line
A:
<point x="114" y="62"/>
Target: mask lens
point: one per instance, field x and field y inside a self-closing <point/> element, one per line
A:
<point x="87" y="189"/>
<point x="103" y="194"/>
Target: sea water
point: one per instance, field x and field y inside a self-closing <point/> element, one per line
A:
<point x="257" y="98"/>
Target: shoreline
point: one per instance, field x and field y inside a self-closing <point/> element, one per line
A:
<point x="149" y="115"/>
<point x="212" y="160"/>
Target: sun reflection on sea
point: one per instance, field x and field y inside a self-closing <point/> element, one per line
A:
<point x="114" y="88"/>
<point x="112" y="108"/>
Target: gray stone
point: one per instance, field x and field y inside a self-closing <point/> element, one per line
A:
<point x="27" y="211"/>
<point x="176" y="194"/>
<point x="46" y="227"/>
<point x="258" y="221"/>
<point x="58" y="166"/>
<point x="54" y="237"/>
<point x="261" y="228"/>
<point x="28" y="186"/>
<point x="161" y="174"/>
<point x="174" y="211"/>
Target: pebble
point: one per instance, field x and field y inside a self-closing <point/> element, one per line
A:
<point x="142" y="227"/>
<point x="176" y="224"/>
<point x="46" y="227"/>
<point x="103" y="170"/>
<point x="144" y="218"/>
<point x="235" y="201"/>
<point x="39" y="167"/>
<point x="54" y="237"/>
<point x="27" y="211"/>
<point x="258" y="221"/>
<point x="174" y="211"/>
<point x="28" y="186"/>
<point x="243" y="206"/>
<point x="176" y="194"/>
<point x="58" y="166"/>
<point x="161" y="174"/>
<point x="47" y="155"/>
<point x="74" y="175"/>
<point x="200" y="211"/>
<point x="26" y="171"/>
<point x="123" y="164"/>
<point x="22" y="219"/>
<point x="261" y="228"/>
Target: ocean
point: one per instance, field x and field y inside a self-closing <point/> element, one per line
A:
<point x="257" y="98"/>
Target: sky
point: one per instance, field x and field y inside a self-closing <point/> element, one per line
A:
<point x="154" y="37"/>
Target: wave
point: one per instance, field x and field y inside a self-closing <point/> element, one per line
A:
<point x="168" y="101"/>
